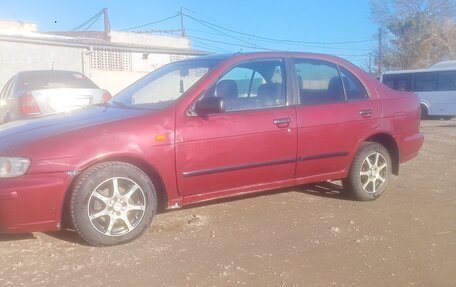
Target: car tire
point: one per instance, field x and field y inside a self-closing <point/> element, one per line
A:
<point x="369" y="173"/>
<point x="112" y="203"/>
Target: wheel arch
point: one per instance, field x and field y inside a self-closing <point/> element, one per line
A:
<point x="424" y="106"/>
<point x="147" y="168"/>
<point x="389" y="142"/>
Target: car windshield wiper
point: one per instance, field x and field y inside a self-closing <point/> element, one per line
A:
<point x="121" y="105"/>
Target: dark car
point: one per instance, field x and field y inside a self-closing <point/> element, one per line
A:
<point x="35" y="93"/>
<point x="203" y="129"/>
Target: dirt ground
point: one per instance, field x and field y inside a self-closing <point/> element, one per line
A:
<point x="303" y="236"/>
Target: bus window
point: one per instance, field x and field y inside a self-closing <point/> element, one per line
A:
<point x="447" y="81"/>
<point x="426" y="82"/>
<point x="398" y="82"/>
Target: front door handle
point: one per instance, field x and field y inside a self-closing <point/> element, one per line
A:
<point x="282" y="123"/>
<point x="367" y="113"/>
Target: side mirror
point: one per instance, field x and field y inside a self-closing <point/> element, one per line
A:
<point x="210" y="105"/>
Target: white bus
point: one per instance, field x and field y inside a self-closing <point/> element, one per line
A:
<point x="435" y="87"/>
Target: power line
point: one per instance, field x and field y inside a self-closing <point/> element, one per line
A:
<point x="97" y="15"/>
<point x="93" y="22"/>
<point x="253" y="47"/>
<point x="290" y="44"/>
<point x="151" y="23"/>
<point x="210" y="47"/>
<point x="230" y="44"/>
<point x="277" y="40"/>
<point x="226" y="34"/>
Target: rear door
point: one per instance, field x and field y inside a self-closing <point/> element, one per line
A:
<point x="253" y="142"/>
<point x="335" y="112"/>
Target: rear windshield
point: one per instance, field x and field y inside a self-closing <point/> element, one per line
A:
<point x="53" y="80"/>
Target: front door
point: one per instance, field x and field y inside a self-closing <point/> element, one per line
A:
<point x="253" y="142"/>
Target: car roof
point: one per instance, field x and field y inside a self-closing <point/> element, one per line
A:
<point x="46" y="72"/>
<point x="273" y="54"/>
<point x="266" y="53"/>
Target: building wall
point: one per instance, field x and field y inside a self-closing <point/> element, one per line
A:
<point x="16" y="57"/>
<point x="113" y="70"/>
<point x="114" y="81"/>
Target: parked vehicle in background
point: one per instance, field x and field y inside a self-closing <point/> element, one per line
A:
<point x="202" y="129"/>
<point x="435" y="87"/>
<point x="30" y="94"/>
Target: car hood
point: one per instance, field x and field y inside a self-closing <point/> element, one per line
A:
<point x="15" y="134"/>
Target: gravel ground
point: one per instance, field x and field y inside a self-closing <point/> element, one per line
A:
<point x="303" y="236"/>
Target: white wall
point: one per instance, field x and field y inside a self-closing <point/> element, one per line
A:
<point x="114" y="81"/>
<point x="150" y="40"/>
<point x="16" y="57"/>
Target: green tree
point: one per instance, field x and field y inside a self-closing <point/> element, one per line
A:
<point x="416" y="33"/>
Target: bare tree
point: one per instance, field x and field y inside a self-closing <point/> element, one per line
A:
<point x="417" y="33"/>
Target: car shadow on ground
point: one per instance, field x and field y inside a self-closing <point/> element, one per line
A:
<point x="68" y="235"/>
<point x="322" y="189"/>
<point x="332" y="190"/>
<point x="447" y="126"/>
<point x="325" y="189"/>
<point x="16" y="237"/>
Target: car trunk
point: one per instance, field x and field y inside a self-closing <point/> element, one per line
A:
<point x="61" y="100"/>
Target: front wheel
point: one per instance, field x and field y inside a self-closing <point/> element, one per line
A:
<point x="370" y="172"/>
<point x="112" y="203"/>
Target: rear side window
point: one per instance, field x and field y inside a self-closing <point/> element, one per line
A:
<point x="53" y="80"/>
<point x="319" y="82"/>
<point x="354" y="89"/>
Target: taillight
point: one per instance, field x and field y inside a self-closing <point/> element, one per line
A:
<point x="28" y="105"/>
<point x="106" y="96"/>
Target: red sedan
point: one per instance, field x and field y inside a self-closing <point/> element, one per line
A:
<point x="202" y="129"/>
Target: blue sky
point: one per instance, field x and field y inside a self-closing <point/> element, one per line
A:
<point x="340" y="27"/>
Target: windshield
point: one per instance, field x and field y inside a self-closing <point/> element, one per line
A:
<point x="163" y="86"/>
<point x="37" y="80"/>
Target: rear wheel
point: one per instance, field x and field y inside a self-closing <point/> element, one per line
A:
<point x="112" y="203"/>
<point x="370" y="172"/>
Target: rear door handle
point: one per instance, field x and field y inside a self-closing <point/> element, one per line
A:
<point x="282" y="123"/>
<point x="367" y="113"/>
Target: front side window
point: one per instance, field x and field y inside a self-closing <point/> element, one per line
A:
<point x="319" y="82"/>
<point x="165" y="85"/>
<point x="251" y="85"/>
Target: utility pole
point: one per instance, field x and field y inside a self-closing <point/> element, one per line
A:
<point x="380" y="51"/>
<point x="182" y="23"/>
<point x="107" y="25"/>
<point x="370" y="63"/>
